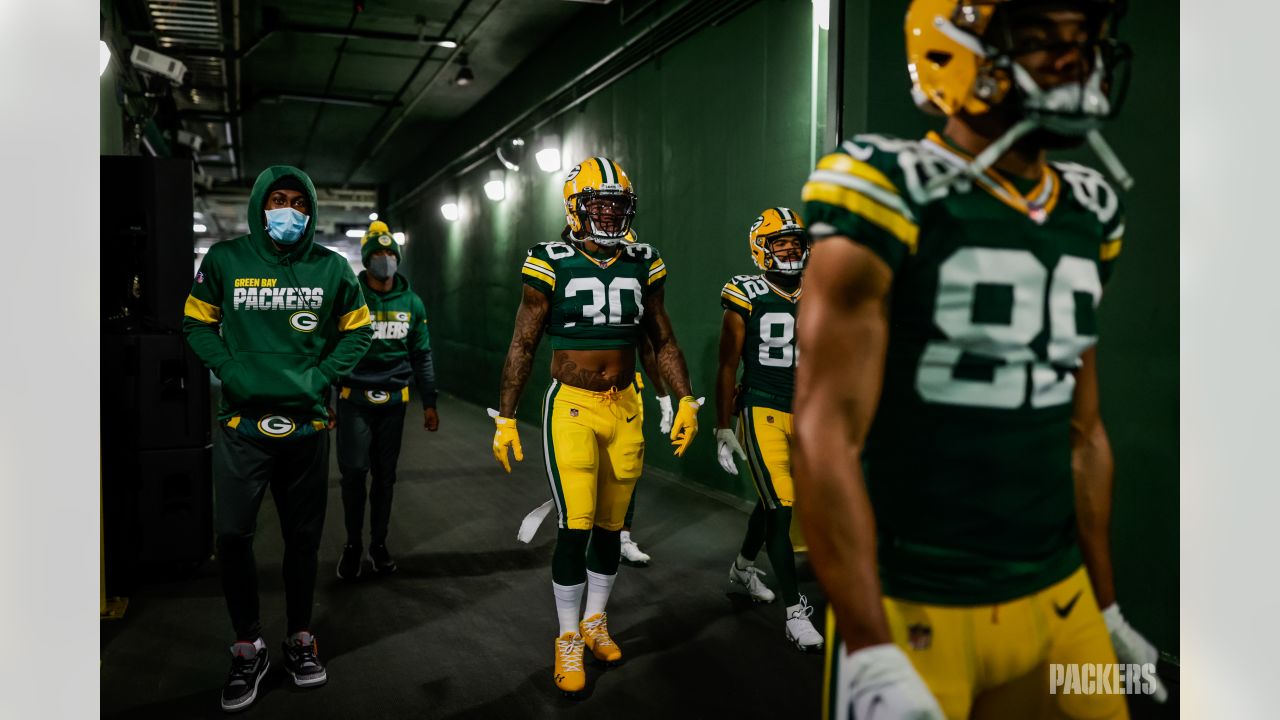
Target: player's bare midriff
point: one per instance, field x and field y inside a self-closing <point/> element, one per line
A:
<point x="597" y="370"/>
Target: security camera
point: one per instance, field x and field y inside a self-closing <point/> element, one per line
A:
<point x="150" y="61"/>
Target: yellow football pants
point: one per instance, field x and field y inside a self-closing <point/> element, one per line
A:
<point x="992" y="661"/>
<point x="766" y="435"/>
<point x="594" y="448"/>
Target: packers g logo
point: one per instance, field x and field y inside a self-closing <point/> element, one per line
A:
<point x="275" y="426"/>
<point x="377" y="397"/>
<point x="384" y="240"/>
<point x="304" y="321"/>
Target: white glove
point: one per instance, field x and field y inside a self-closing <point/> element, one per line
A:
<point x="664" y="425"/>
<point x="726" y="446"/>
<point x="532" y="522"/>
<point x="880" y="682"/>
<point x="1132" y="647"/>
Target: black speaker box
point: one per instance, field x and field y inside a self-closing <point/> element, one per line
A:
<point x="146" y="240"/>
<point x="155" y="393"/>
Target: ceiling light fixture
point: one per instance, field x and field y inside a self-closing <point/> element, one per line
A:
<point x="450" y="210"/>
<point x="373" y="216"/>
<point x="465" y="76"/>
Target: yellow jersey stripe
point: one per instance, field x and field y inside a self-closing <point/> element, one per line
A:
<point x="540" y="264"/>
<point x="840" y="162"/>
<point x="202" y="311"/>
<point x="357" y="318"/>
<point x="662" y="272"/>
<point x="539" y="275"/>
<point x="855" y="202"/>
<point x="737" y="300"/>
<point x="233" y="422"/>
<point x="657" y="266"/>
<point x="1110" y="249"/>
<point x="404" y="394"/>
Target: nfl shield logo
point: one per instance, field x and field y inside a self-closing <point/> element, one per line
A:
<point x="200" y="276"/>
<point x="573" y="412"/>
<point x="1037" y="214"/>
<point x="920" y="636"/>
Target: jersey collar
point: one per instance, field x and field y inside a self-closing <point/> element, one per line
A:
<point x="791" y="296"/>
<point x="1036" y="204"/>
<point x="599" y="263"/>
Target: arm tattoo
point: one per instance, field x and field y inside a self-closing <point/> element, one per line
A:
<point x="530" y="322"/>
<point x="649" y="361"/>
<point x="671" y="364"/>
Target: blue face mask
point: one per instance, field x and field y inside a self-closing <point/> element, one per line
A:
<point x="285" y="225"/>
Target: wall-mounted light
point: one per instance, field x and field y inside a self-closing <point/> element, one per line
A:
<point x="197" y="227"/>
<point x="548" y="156"/>
<point x="450" y="210"/>
<point x="355" y="233"/>
<point x="400" y="237"/>
<point x="822" y="13"/>
<point x="496" y="188"/>
<point x="446" y="44"/>
<point x="104" y="56"/>
<point x="465" y="76"/>
<point x="373" y="216"/>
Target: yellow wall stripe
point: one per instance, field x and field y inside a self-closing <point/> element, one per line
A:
<point x="355" y="319"/>
<point x="863" y="206"/>
<point x="202" y="311"/>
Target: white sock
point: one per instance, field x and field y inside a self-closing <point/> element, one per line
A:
<point x="568" y="602"/>
<point x="625" y="536"/>
<point x="742" y="563"/>
<point x="598" y="589"/>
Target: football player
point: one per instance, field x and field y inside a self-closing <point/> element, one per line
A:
<point x="949" y="331"/>
<point x="595" y="295"/>
<point x="757" y="331"/>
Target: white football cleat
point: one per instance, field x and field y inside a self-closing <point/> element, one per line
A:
<point x="631" y="552"/>
<point x="800" y="630"/>
<point x="749" y="578"/>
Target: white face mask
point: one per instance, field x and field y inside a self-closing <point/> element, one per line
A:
<point x="383" y="267"/>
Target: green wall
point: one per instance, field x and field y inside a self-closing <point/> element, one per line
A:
<point x="717" y="128"/>
<point x="707" y="147"/>
<point x="1138" y="351"/>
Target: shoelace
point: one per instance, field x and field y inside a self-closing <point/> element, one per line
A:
<point x="569" y="661"/>
<point x="305" y="654"/>
<point x="804" y="612"/>
<point x="242" y="669"/>
<point x="599" y="630"/>
<point x="754" y="583"/>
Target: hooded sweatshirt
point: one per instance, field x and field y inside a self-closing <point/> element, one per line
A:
<point x="293" y="321"/>
<point x="400" y="352"/>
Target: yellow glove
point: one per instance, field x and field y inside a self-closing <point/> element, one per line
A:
<point x="685" y="426"/>
<point x="505" y="436"/>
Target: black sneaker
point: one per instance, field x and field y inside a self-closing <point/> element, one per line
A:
<point x="301" y="661"/>
<point x="383" y="563"/>
<point x="248" y="665"/>
<point x="349" y="565"/>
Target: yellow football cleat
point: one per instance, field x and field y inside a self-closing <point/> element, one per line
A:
<point x="595" y="631"/>
<point x="570" y="677"/>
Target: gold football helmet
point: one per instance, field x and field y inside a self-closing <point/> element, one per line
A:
<point x="774" y="223"/>
<point x="599" y="202"/>
<point x="962" y="57"/>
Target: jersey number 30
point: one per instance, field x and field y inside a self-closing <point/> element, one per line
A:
<point x="593" y="311"/>
<point x="1007" y="346"/>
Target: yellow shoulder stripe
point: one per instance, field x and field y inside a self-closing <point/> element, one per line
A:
<point x="657" y="275"/>
<point x="735" y="298"/>
<point x="1110" y="249"/>
<point x="539" y="274"/>
<point x="202" y="311"/>
<point x="233" y="422"/>
<point x="404" y="394"/>
<point x="853" y="166"/>
<point x="855" y="202"/>
<point x="357" y="318"/>
<point x="540" y="264"/>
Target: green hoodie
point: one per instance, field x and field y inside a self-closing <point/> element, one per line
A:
<point x="400" y="352"/>
<point x="293" y="321"/>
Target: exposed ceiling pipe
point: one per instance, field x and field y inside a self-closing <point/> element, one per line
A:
<point x="676" y="24"/>
<point x="237" y="157"/>
<point x="328" y="85"/>
<point x="423" y="91"/>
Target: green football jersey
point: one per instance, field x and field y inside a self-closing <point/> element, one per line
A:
<point x="996" y="282"/>
<point x="768" y="349"/>
<point x="595" y="304"/>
